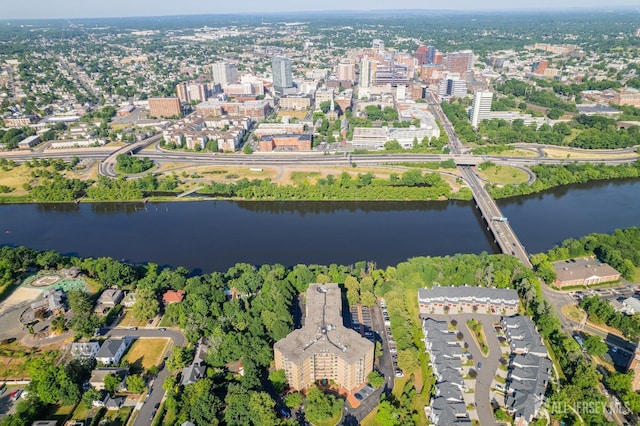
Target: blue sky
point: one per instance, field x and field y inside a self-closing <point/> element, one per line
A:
<point x="117" y="8"/>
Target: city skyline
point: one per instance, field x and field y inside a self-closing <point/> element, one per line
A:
<point x="41" y="9"/>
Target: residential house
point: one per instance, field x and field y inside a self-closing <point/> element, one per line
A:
<point x="173" y="296"/>
<point x="84" y="349"/>
<point x="108" y="300"/>
<point x="129" y="300"/>
<point x="98" y="375"/>
<point x="111" y="351"/>
<point x="197" y="369"/>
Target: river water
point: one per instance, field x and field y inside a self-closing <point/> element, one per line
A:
<point x="213" y="235"/>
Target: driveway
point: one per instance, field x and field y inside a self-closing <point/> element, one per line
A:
<point x="353" y="416"/>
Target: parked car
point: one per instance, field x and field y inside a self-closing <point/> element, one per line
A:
<point x="13" y="396"/>
<point x="133" y="328"/>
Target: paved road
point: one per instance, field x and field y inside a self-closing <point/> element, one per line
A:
<point x="144" y="414"/>
<point x="107" y="167"/>
<point x="489" y="363"/>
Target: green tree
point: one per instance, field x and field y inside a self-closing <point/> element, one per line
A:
<point x="388" y="414"/>
<point x="278" y="380"/>
<point x="262" y="408"/>
<point x="179" y="358"/>
<point x="293" y="400"/>
<point x="147" y="305"/>
<point x="595" y="346"/>
<point x="375" y="379"/>
<point x="136" y="384"/>
<point x="112" y="382"/>
<point x="90" y="396"/>
<point x="320" y="407"/>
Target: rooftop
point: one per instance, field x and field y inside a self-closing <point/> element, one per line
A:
<point x="586" y="267"/>
<point x="323" y="331"/>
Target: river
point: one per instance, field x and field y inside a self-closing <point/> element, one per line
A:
<point x="207" y="236"/>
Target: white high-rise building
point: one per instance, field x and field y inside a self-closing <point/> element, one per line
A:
<point x="224" y="73"/>
<point x="481" y="107"/>
<point x="366" y="72"/>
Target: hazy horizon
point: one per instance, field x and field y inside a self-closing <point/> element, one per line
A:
<point x="46" y="9"/>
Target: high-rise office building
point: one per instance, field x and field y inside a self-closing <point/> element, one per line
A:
<point x="452" y="88"/>
<point x="425" y="55"/>
<point x="481" y="107"/>
<point x="282" y="78"/>
<point x="460" y="62"/>
<point x="224" y="73"/>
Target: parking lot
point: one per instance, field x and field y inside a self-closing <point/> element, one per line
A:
<point x="361" y="321"/>
<point x="614" y="294"/>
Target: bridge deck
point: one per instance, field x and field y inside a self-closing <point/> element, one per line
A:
<point x="502" y="231"/>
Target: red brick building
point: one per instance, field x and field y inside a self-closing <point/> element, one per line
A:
<point x="164" y="107"/>
<point x="286" y="142"/>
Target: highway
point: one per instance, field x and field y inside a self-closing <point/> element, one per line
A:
<point x="503" y="234"/>
<point x="107" y="167"/>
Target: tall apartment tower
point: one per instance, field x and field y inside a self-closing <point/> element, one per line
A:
<point x="366" y="72"/>
<point x="346" y="72"/>
<point x="481" y="107"/>
<point x="224" y="73"/>
<point x="282" y="78"/>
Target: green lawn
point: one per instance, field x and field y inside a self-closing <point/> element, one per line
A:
<point x="503" y="175"/>
<point x="118" y="418"/>
<point x="145" y="353"/>
<point x="130" y="321"/>
<point x="61" y="414"/>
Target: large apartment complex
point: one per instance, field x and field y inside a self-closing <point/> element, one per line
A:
<point x="324" y="349"/>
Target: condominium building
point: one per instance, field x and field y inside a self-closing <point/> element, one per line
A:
<point x="483" y="300"/>
<point x="529" y="370"/>
<point x="164" y="107"/>
<point x="481" y="107"/>
<point x="324" y="349"/>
